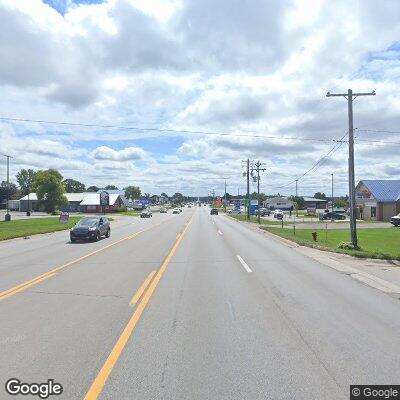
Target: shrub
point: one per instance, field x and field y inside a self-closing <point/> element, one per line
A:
<point x="348" y="246"/>
<point x="119" y="210"/>
<point x="56" y="212"/>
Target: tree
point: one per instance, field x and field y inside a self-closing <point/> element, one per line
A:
<point x="25" y="179"/>
<point x="13" y="191"/>
<point x="49" y="189"/>
<point x="111" y="187"/>
<point x="164" y="195"/>
<point x="73" y="186"/>
<point x="299" y="200"/>
<point x="320" y="196"/>
<point x="92" y="189"/>
<point x="340" y="203"/>
<point x="132" y="192"/>
<point x="177" y="197"/>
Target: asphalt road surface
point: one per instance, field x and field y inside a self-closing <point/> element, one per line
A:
<point x="189" y="306"/>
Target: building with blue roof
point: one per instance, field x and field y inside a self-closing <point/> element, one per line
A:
<point x="378" y="199"/>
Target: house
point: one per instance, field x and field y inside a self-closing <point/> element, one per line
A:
<point x="378" y="199"/>
<point x="280" y="202"/>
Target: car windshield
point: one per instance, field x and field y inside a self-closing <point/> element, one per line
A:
<point x="87" y="222"/>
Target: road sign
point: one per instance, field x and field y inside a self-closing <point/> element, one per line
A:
<point x="64" y="218"/>
<point x="104" y="198"/>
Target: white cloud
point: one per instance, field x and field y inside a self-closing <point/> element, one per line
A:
<point x="127" y="154"/>
<point x="259" y="67"/>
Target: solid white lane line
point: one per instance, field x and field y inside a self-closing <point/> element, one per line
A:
<point x="220" y="232"/>
<point x="245" y="266"/>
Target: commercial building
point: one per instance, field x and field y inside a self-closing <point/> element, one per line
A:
<point x="280" y="202"/>
<point x="77" y="202"/>
<point x="378" y="199"/>
<point x="312" y="202"/>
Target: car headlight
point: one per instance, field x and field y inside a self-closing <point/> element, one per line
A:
<point x="93" y="228"/>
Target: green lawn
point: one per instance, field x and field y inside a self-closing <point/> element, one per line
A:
<point x="374" y="243"/>
<point x="27" y="227"/>
<point x="130" y="213"/>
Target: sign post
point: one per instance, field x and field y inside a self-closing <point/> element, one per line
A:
<point x="64" y="218"/>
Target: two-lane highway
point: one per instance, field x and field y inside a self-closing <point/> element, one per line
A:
<point x="190" y="306"/>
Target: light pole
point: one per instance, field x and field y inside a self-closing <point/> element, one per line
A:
<point x="8" y="216"/>
<point x="332" y="197"/>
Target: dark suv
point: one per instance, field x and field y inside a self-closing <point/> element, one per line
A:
<point x="214" y="211"/>
<point x="90" y="228"/>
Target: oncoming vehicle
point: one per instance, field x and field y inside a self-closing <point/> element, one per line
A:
<point x="214" y="211"/>
<point x="146" y="214"/>
<point x="163" y="210"/>
<point x="175" y="211"/>
<point x="90" y="228"/>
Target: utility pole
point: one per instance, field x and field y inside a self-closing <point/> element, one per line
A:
<point x="350" y="96"/>
<point x="332" y="197"/>
<point x="248" y="190"/>
<point x="225" y="195"/>
<point x="257" y="167"/>
<point x="8" y="216"/>
<point x="297" y="207"/>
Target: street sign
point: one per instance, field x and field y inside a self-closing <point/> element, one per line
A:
<point x="64" y="218"/>
<point x="104" y="198"/>
<point x="237" y="205"/>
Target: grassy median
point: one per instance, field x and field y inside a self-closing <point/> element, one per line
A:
<point x="26" y="227"/>
<point x="374" y="243"/>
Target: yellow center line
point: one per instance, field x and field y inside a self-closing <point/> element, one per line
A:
<point x="142" y="288"/>
<point x="35" y="282"/>
<point x="16" y="289"/>
<point x="101" y="378"/>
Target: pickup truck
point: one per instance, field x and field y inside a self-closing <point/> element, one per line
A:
<point x="395" y="220"/>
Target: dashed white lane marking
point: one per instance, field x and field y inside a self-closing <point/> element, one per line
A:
<point x="245" y="266"/>
<point x="220" y="232"/>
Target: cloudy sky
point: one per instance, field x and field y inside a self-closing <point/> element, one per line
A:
<point x="181" y="91"/>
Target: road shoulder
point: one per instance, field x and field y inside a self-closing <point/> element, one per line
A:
<point x="383" y="275"/>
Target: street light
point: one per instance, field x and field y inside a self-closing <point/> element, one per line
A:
<point x="8" y="216"/>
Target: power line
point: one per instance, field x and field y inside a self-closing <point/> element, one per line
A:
<point x="319" y="161"/>
<point x="162" y="130"/>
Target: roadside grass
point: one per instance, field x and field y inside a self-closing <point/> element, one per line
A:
<point x="382" y="243"/>
<point x="130" y="213"/>
<point x="27" y="227"/>
<point x="243" y="217"/>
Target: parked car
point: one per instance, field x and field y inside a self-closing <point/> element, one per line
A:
<point x="278" y="214"/>
<point x="214" y="211"/>
<point x="90" y="228"/>
<point x="146" y="214"/>
<point x="333" y="215"/>
<point x="175" y="211"/>
<point x="189" y="206"/>
<point x="163" y="210"/>
<point x="263" y="212"/>
<point x="395" y="220"/>
<point x="234" y="212"/>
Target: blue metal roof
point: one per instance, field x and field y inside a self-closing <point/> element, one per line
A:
<point x="384" y="190"/>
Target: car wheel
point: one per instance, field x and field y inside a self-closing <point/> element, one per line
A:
<point x="108" y="233"/>
<point x="73" y="240"/>
<point x="97" y="237"/>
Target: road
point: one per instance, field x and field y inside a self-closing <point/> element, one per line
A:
<point x="228" y="313"/>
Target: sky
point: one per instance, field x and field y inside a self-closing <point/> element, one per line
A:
<point x="179" y="92"/>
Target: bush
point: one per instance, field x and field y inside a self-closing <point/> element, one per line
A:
<point x="348" y="246"/>
<point x="56" y="212"/>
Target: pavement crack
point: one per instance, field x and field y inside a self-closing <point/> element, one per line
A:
<point x="78" y="294"/>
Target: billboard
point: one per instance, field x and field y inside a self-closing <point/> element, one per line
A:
<point x="104" y="198"/>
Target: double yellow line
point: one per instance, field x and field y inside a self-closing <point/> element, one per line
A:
<point x="25" y="285"/>
<point x="99" y="382"/>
